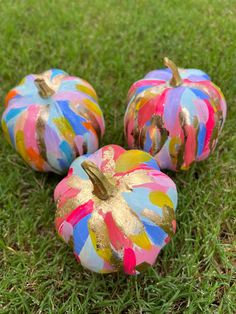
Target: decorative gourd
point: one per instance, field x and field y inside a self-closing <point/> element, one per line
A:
<point x="51" y="118"/>
<point x="176" y="115"/>
<point x="116" y="208"/>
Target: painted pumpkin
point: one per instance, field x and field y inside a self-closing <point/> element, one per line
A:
<point x="176" y="115"/>
<point x="51" y="118"/>
<point x="116" y="208"/>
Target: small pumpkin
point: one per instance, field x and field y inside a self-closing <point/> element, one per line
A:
<point x="176" y="115"/>
<point x="116" y="209"/>
<point x="51" y="118"/>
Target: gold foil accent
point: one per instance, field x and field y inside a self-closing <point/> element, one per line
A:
<point x="157" y="122"/>
<point x="218" y="117"/>
<point x="85" y="194"/>
<point x="125" y="218"/>
<point x="185" y="116"/>
<point x="97" y="225"/>
<point x="140" y="134"/>
<point x="108" y="155"/>
<point x="40" y="129"/>
<point x="183" y="122"/>
<point x="69" y="205"/>
<point x="136" y="131"/>
<point x="135" y="178"/>
<point x="100" y="238"/>
<point x="164" y="222"/>
<point x="75" y="182"/>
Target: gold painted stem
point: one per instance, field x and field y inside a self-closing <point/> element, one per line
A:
<point x="103" y="188"/>
<point x="44" y="90"/>
<point x="176" y="78"/>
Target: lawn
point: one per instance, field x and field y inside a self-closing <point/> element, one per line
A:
<point x="112" y="44"/>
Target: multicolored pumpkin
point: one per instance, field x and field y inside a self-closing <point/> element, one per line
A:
<point x="51" y="118"/>
<point x="176" y="115"/>
<point x="116" y="208"/>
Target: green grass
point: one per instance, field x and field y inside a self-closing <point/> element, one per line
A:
<point x="112" y="44"/>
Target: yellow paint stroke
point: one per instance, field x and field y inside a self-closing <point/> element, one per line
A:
<point x="104" y="253"/>
<point x="20" y="145"/>
<point x="22" y="81"/>
<point x="131" y="159"/>
<point x="5" y="131"/>
<point x="99" y="237"/>
<point x="142" y="101"/>
<point x="174" y="145"/>
<point x="214" y="103"/>
<point x="87" y="90"/>
<point x="141" y="240"/>
<point x="65" y="129"/>
<point x="92" y="106"/>
<point x="160" y="199"/>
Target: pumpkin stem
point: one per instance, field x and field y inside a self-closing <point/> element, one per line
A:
<point x="102" y="187"/>
<point x="176" y="78"/>
<point x="44" y="90"/>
